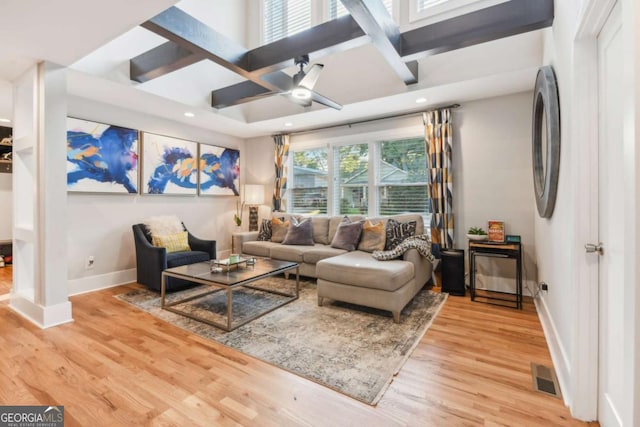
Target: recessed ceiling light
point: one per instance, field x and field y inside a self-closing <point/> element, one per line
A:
<point x="189" y="114"/>
<point x="421" y="100"/>
<point x="5" y="120"/>
<point x="288" y="124"/>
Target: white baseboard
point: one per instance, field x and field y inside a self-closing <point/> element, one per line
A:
<point x="101" y="281"/>
<point x="43" y="317"/>
<point x="558" y="353"/>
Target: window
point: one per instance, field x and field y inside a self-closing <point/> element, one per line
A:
<point x="402" y="177"/>
<point x="352" y="165"/>
<point x="282" y="18"/>
<point x="426" y="4"/>
<point x="370" y="178"/>
<point x="336" y="9"/>
<point x="308" y="194"/>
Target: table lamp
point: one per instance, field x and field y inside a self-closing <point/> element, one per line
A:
<point x="253" y="197"/>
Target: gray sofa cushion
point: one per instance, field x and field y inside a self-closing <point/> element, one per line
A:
<point x="289" y="252"/>
<point x="320" y="252"/>
<point x="299" y="233"/>
<point x="335" y="221"/>
<point x="360" y="269"/>
<point x="258" y="248"/>
<point x="347" y="236"/>
<point x="320" y="230"/>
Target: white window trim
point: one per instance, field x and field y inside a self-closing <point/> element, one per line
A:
<point x="448" y="9"/>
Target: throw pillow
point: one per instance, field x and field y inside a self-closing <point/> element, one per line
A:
<point x="279" y="228"/>
<point x="373" y="236"/>
<point x="264" y="234"/>
<point x="299" y="233"/>
<point x="397" y="232"/>
<point x="347" y="236"/>
<point x="173" y="242"/>
<point x="163" y="225"/>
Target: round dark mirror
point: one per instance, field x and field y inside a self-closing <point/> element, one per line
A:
<point x="546" y="141"/>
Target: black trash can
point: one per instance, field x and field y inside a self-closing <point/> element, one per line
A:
<point x="453" y="271"/>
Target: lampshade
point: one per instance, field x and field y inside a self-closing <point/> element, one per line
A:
<point x="253" y="194"/>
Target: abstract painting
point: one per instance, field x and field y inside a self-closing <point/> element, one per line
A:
<point x="219" y="171"/>
<point x="169" y="165"/>
<point x="101" y="158"/>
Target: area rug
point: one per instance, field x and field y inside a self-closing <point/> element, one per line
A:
<point x="352" y="349"/>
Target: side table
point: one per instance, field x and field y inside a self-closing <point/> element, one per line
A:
<point x="496" y="250"/>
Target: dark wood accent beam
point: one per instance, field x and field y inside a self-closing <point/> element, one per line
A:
<point x="333" y="36"/>
<point x="236" y="94"/>
<point x="161" y="60"/>
<point x="186" y="31"/>
<point x="374" y="19"/>
<point x="248" y="91"/>
<point x="495" y="22"/>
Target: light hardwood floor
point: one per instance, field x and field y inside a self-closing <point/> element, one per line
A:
<point x="115" y="365"/>
<point x="6" y="279"/>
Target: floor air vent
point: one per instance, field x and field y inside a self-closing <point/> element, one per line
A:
<point x="545" y="380"/>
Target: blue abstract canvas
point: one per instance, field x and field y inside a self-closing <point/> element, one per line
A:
<point x="170" y="165"/>
<point x="219" y="171"/>
<point x="101" y="158"/>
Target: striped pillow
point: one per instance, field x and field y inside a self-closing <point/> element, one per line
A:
<point x="173" y="242"/>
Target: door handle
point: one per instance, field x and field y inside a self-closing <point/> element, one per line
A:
<point x="591" y="248"/>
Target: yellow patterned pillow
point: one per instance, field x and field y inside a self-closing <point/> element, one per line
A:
<point x="173" y="242"/>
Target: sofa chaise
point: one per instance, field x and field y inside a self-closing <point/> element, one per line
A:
<point x="350" y="276"/>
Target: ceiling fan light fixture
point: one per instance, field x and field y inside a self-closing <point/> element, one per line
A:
<point x="301" y="93"/>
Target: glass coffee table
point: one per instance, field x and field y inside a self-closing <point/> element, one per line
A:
<point x="228" y="279"/>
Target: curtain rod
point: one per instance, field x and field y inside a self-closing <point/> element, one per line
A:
<point x="415" y="113"/>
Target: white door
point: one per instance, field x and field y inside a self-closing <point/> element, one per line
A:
<point x="610" y="197"/>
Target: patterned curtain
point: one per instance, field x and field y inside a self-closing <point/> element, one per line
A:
<point x="439" y="141"/>
<point x="281" y="155"/>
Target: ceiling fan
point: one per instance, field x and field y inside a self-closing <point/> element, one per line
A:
<point x="303" y="82"/>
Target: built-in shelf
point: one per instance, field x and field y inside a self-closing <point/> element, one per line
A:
<point x="6" y="166"/>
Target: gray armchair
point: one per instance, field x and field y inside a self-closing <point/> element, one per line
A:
<point x="152" y="260"/>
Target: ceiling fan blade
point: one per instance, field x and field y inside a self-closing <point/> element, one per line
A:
<point x="316" y="97"/>
<point x="311" y="77"/>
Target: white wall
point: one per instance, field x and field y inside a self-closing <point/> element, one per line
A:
<point x="493" y="180"/>
<point x="6" y="211"/>
<point x="100" y="225"/>
<point x="569" y="311"/>
<point x="492" y="170"/>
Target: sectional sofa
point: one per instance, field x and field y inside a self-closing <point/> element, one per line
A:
<point x="350" y="276"/>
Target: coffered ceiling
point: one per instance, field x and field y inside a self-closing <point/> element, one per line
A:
<point x="168" y="60"/>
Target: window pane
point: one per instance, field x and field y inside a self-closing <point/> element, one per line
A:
<point x="425" y="4"/>
<point x="403" y="162"/>
<point x="353" y="178"/>
<point x="336" y="9"/>
<point x="402" y="172"/>
<point x="403" y="199"/>
<point x="308" y="191"/>
<point x="283" y="18"/>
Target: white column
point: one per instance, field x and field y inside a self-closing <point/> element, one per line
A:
<point x="39" y="182"/>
